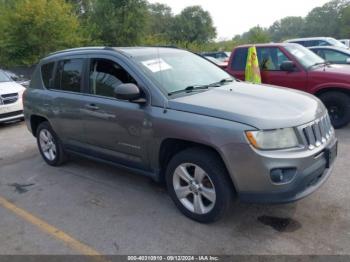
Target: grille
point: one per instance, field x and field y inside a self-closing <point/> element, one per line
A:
<point x="318" y="132"/>
<point x="8" y="99"/>
<point x="16" y="113"/>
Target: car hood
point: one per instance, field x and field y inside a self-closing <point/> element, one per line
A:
<point x="333" y="68"/>
<point x="10" y="87"/>
<point x="260" y="106"/>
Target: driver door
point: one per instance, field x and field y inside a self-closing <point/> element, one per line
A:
<point x="115" y="129"/>
<point x="270" y="59"/>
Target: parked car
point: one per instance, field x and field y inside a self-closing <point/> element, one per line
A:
<point x="294" y="66"/>
<point x="11" y="107"/>
<point x="334" y="55"/>
<point x="172" y="115"/>
<point x="219" y="63"/>
<point x="221" y="55"/>
<point x="317" y="41"/>
<point x="18" y="78"/>
<point x="345" y="42"/>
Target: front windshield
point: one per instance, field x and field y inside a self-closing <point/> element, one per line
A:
<point x="337" y="43"/>
<point x="176" y="70"/>
<point x="304" y="56"/>
<point x="4" y="77"/>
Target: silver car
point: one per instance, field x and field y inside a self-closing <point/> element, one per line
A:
<point x="174" y="116"/>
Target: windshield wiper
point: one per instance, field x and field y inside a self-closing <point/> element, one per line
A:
<point x="325" y="63"/>
<point x="201" y="87"/>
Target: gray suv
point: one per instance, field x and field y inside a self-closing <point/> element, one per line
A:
<point x="173" y="116"/>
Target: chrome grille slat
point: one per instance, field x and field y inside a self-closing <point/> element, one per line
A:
<point x="318" y="132"/>
<point x="6" y="99"/>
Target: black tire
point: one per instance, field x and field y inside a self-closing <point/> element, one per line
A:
<point x="338" y="105"/>
<point x="214" y="168"/>
<point x="60" y="155"/>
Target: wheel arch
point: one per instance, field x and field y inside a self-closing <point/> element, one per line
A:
<point x="171" y="146"/>
<point x="323" y="90"/>
<point x="35" y="121"/>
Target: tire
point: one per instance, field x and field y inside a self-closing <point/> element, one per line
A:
<point x="50" y="146"/>
<point x="211" y="190"/>
<point x="338" y="105"/>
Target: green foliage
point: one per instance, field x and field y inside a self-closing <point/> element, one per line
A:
<point x="345" y="22"/>
<point x="160" y="20"/>
<point x="192" y="25"/>
<point x="287" y="28"/>
<point x="118" y="22"/>
<point x="255" y="35"/>
<point x="33" y="28"/>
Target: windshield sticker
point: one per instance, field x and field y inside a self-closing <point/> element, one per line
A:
<point x="156" y="65"/>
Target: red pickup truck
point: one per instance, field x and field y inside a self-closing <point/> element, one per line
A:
<point x="294" y="66"/>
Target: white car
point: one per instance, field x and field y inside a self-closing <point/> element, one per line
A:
<point x="11" y="106"/>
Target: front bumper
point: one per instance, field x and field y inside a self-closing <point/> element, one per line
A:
<point x="11" y="112"/>
<point x="250" y="171"/>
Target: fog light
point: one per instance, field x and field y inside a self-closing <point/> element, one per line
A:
<point x="282" y="175"/>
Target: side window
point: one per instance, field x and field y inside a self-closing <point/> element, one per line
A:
<point x="323" y="43"/>
<point x="333" y="56"/>
<point x="105" y="76"/>
<point x="239" y="60"/>
<point x="271" y="58"/>
<point x="320" y="53"/>
<point x="69" y="75"/>
<point x="303" y="43"/>
<point x="47" y="74"/>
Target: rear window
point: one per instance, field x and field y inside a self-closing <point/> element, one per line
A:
<point x="239" y="60"/>
<point x="47" y="74"/>
<point x="69" y="75"/>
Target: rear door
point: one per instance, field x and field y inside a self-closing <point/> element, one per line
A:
<point x="69" y="100"/>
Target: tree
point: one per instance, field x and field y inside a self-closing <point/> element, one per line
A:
<point x="193" y="24"/>
<point x="255" y="35"/>
<point x="345" y="23"/>
<point x="118" y="22"/>
<point x="33" y="28"/>
<point x="286" y="28"/>
<point x="325" y="20"/>
<point x="160" y="20"/>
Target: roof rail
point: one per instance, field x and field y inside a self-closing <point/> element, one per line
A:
<point x="82" y="49"/>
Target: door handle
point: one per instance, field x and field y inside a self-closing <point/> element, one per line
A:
<point x="92" y="107"/>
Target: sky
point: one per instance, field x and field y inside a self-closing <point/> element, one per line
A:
<point x="232" y="17"/>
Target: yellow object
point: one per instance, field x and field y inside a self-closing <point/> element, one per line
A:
<point x="252" y="70"/>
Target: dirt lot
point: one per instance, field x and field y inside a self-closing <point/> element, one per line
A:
<point x="87" y="207"/>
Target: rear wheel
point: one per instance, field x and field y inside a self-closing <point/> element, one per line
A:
<point x="50" y="146"/>
<point x="338" y="105"/>
<point x="199" y="185"/>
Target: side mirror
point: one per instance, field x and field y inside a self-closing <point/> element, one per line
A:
<point x="129" y="92"/>
<point x="288" y="66"/>
<point x="348" y="60"/>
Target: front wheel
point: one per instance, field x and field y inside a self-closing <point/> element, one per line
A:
<point x="338" y="105"/>
<point x="199" y="185"/>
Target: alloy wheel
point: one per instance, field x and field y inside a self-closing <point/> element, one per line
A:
<point x="194" y="188"/>
<point x="47" y="145"/>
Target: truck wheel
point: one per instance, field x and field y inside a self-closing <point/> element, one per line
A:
<point x="50" y="146"/>
<point x="338" y="105"/>
<point x="199" y="185"/>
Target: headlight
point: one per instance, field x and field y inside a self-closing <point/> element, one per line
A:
<point x="273" y="139"/>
